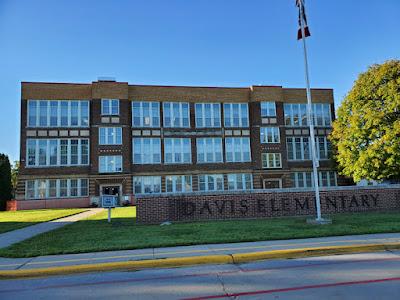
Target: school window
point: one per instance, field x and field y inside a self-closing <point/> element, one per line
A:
<point x="296" y="114"/>
<point x="298" y="148"/>
<point x="211" y="182"/>
<point x="208" y="115"/>
<point x="147" y="184"/>
<point x="306" y="179"/>
<point x="110" y="164"/>
<point x="271" y="160"/>
<point x="177" y="151"/>
<point x="176" y="114"/>
<point x="146" y="150"/>
<point x="57" y="113"/>
<point x="240" y="181"/>
<point x="209" y="150"/>
<point x="57" y="152"/>
<point x="178" y="184"/>
<point x="145" y="114"/>
<point x="269" y="135"/>
<point x="237" y="149"/>
<point x="110" y="107"/>
<point x="110" y="136"/>
<point x="236" y="115"/>
<point x="56" y="188"/>
<point x="268" y="109"/>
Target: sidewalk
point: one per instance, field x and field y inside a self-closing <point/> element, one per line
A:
<point x="201" y="251"/>
<point x="16" y="236"/>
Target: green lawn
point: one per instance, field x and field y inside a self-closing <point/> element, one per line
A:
<point x="11" y="220"/>
<point x="95" y="234"/>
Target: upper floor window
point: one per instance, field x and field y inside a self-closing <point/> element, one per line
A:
<point x="110" y="107"/>
<point x="110" y="135"/>
<point x="178" y="184"/>
<point x="237" y="149"/>
<point x="296" y="114"/>
<point x="268" y="109"/>
<point x="58" y="113"/>
<point x="269" y="135"/>
<point x="208" y="115"/>
<point x="211" y="182"/>
<point x="145" y="114"/>
<point x="241" y="181"/>
<point x="147" y="184"/>
<point x="57" y="152"/>
<point x="271" y="160"/>
<point x="299" y="148"/>
<point x="176" y="114"/>
<point x="236" y="115"/>
<point x="177" y="151"/>
<point x="209" y="150"/>
<point x="146" y="151"/>
<point x="110" y="164"/>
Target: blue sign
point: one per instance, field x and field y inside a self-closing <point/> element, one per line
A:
<point x="108" y="201"/>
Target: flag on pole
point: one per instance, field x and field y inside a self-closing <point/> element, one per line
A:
<point x="302" y="20"/>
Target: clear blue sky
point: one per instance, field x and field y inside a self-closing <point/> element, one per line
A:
<point x="187" y="42"/>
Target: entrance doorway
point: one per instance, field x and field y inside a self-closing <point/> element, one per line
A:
<point x="113" y="190"/>
<point x="272" y="183"/>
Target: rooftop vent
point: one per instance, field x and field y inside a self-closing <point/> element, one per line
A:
<point x="106" y="78"/>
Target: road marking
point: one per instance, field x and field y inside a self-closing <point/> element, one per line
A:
<point x="172" y="277"/>
<point x="196" y="251"/>
<point x="296" y="288"/>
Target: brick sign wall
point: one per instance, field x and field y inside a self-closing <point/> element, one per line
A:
<point x="264" y="204"/>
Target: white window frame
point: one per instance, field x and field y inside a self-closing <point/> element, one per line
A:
<point x="58" y="188"/>
<point x="303" y="175"/>
<point x="290" y="108"/>
<point x="180" y="150"/>
<point x="243" y="181"/>
<point x="201" y="143"/>
<point x="107" y="105"/>
<point x="117" y="160"/>
<point x="233" y="150"/>
<point x="268" y="105"/>
<point x="48" y="111"/>
<point x="206" y="177"/>
<point x="156" y="180"/>
<point x="172" y="117"/>
<point x="268" y="135"/>
<point x="152" y="150"/>
<point x="174" y="179"/>
<point x="204" y="115"/>
<point x="231" y="117"/>
<point x="276" y="160"/>
<point x="115" y="132"/>
<point x="141" y="115"/>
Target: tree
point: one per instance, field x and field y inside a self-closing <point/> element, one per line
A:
<point x="14" y="177"/>
<point x="367" y="130"/>
<point x="5" y="181"/>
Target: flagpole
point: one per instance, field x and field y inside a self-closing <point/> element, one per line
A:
<point x="315" y="162"/>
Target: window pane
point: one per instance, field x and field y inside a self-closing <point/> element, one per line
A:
<point x="74" y="113"/>
<point x="64" y="113"/>
<point x="43" y="113"/>
<point x="84" y="113"/>
<point x="54" y="113"/>
<point x="32" y="112"/>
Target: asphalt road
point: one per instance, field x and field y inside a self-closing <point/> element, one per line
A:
<point x="355" y="276"/>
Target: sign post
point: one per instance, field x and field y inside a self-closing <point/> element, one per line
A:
<point x="108" y="201"/>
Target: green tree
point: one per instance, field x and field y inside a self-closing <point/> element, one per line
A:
<point x="14" y="177"/>
<point x="367" y="130"/>
<point x="5" y="181"/>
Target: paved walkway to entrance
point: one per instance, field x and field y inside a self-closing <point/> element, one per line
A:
<point x="16" y="236"/>
<point x="185" y="251"/>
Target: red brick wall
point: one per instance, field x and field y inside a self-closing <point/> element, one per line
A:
<point x="52" y="203"/>
<point x="262" y="204"/>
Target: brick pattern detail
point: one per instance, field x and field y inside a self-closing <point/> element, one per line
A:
<point x="177" y="208"/>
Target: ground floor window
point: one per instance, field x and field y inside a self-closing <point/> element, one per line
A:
<point x="178" y="184"/>
<point x="147" y="184"/>
<point x="211" y="182"/>
<point x="56" y="188"/>
<point x="305" y="179"/>
<point x="240" y="181"/>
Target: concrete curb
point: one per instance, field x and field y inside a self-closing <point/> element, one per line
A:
<point x="195" y="260"/>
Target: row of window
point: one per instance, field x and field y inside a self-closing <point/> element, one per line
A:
<point x="299" y="148"/>
<point x="296" y="114"/>
<point x="57" y="152"/>
<point x="306" y="179"/>
<point x="183" y="183"/>
<point x="56" y="188"/>
<point x="73" y="113"/>
<point x="56" y="113"/>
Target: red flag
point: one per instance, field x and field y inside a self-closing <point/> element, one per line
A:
<point x="302" y="19"/>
